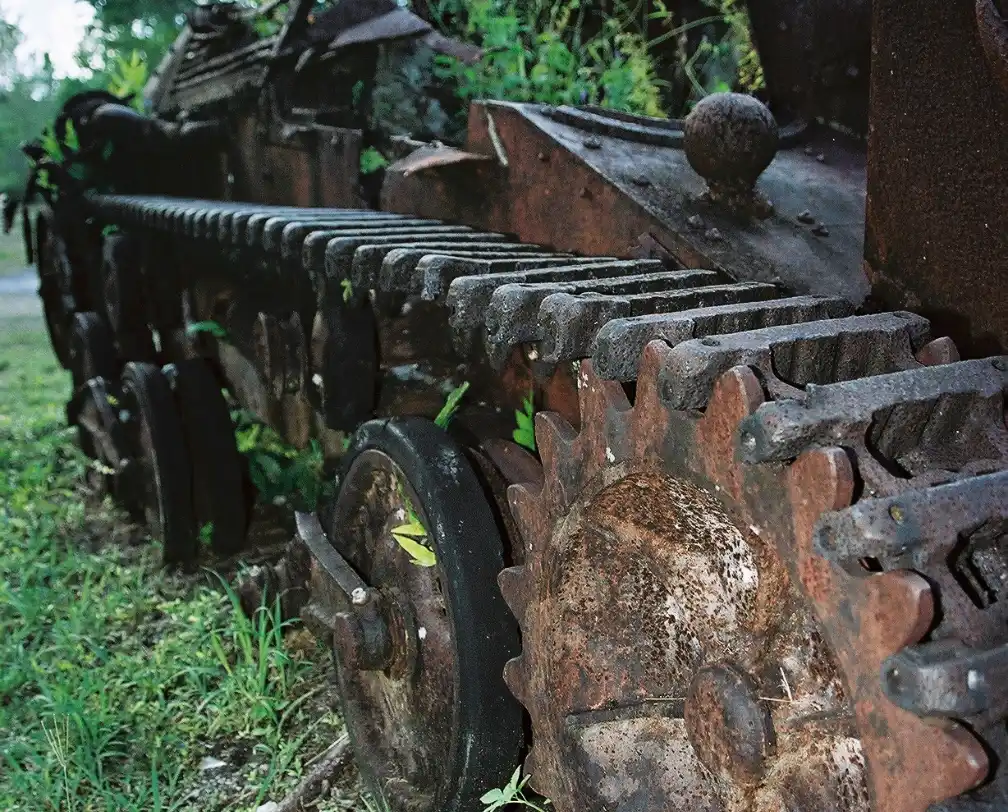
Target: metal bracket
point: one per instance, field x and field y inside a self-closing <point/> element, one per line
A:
<point x="343" y="609"/>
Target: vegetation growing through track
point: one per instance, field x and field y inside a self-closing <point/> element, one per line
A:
<point x="123" y="686"/>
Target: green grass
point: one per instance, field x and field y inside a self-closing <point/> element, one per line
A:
<point x="12" y="253"/>
<point x="117" y="679"/>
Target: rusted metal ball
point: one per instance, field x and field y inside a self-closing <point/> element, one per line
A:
<point x="730" y="138"/>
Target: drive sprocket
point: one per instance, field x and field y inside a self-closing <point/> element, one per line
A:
<point x="694" y="634"/>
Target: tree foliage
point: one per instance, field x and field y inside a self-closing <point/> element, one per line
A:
<point x="121" y="27"/>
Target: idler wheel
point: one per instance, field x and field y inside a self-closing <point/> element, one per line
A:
<point x="57" y="305"/>
<point x="217" y="477"/>
<point x="160" y="484"/>
<point x="123" y="299"/>
<point x="431" y="720"/>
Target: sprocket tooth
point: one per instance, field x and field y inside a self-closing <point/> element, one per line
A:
<point x="516" y="678"/>
<point x="737" y="394"/>
<point x="533" y="519"/>
<point x="555" y="439"/>
<point x="604" y="411"/>
<point x="940" y="351"/>
<point x="516" y="591"/>
<point x="649" y="419"/>
<point x="597" y="395"/>
<point x="557" y="443"/>
<point x="539" y="774"/>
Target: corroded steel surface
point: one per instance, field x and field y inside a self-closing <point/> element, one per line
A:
<point x="937" y="229"/>
<point x="815" y="57"/>
<point x="616" y="189"/>
<point x="679" y="617"/>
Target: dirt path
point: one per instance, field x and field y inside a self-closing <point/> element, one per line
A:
<point x="18" y="295"/>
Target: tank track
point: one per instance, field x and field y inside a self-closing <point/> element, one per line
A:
<point x="748" y="388"/>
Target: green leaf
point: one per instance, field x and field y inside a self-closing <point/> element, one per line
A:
<point x="413" y="529"/>
<point x="451" y="405"/>
<point x="524" y="435"/>
<point x="271" y="468"/>
<point x="419" y="554"/>
<point x="212" y="327"/>
<point x="109" y="230"/>
<point x="371" y="160"/>
<point x="347" y="287"/>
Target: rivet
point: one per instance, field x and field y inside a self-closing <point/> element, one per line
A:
<point x="714" y="234"/>
<point x="806" y="217"/>
<point x="359" y="596"/>
<point x="695" y="221"/>
<point x="593" y="143"/>
<point x="820" y="230"/>
<point x="542" y="156"/>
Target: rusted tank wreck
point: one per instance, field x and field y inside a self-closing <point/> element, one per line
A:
<point x="757" y="560"/>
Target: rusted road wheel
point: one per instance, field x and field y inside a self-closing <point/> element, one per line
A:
<point x="160" y="486"/>
<point x="57" y="303"/>
<point x="774" y="582"/>
<point x="123" y="298"/>
<point x="432" y="723"/>
<point x="90" y="354"/>
<point x="217" y="474"/>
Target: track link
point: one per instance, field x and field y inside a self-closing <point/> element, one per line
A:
<point x="869" y="455"/>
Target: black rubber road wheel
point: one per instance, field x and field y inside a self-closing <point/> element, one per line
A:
<point x="434" y="727"/>
<point x="218" y="488"/>
<point x="123" y="299"/>
<point x="91" y="355"/>
<point x="56" y="305"/>
<point x="161" y="483"/>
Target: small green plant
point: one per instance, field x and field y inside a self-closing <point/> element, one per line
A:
<point x="206" y="533"/>
<point x="451" y="405"/>
<point x="128" y="79"/>
<point x="410" y="536"/>
<point x="524" y="434"/>
<point x="281" y="473"/>
<point x="112" y="691"/>
<point x="347" y="287"/>
<point x="371" y="160"/>
<point x="251" y="653"/>
<point x="512" y="794"/>
<point x="538" y="52"/>
<point x="207" y="327"/>
<point x="109" y="230"/>
<point x="270" y="19"/>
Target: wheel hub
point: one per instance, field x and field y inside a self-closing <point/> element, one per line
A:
<point x="728" y="726"/>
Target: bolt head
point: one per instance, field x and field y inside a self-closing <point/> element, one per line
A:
<point x="359" y="596"/>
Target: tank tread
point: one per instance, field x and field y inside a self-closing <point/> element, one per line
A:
<point x="924" y="432"/>
<point x="795" y="355"/>
<point x="920" y="419"/>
